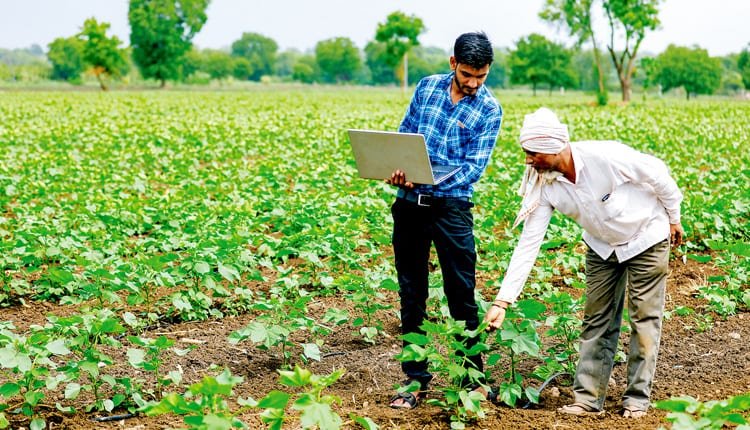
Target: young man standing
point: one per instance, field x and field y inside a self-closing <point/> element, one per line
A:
<point x="629" y="208"/>
<point x="460" y="120"/>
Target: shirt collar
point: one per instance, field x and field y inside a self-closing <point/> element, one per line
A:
<point x="577" y="163"/>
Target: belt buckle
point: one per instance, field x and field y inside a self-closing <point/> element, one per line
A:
<point x="424" y="203"/>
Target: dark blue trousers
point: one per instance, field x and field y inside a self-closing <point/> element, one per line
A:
<point x="448" y="223"/>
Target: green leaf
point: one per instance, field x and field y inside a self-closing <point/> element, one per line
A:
<point x="202" y="267"/>
<point x="10" y="358"/>
<point x="72" y="390"/>
<point x="311" y="351"/>
<point x="531" y="309"/>
<point x="677" y="404"/>
<point x="274" y="400"/>
<point x="229" y="272"/>
<point x="216" y="422"/>
<point x="364" y="422"/>
<point x="317" y="414"/>
<point x="130" y="319"/>
<point x="274" y="418"/>
<point x="9" y="389"/>
<point x="532" y="394"/>
<point x="510" y="393"/>
<point x="109" y="405"/>
<point x="297" y="378"/>
<point x="416" y="338"/>
<point x="699" y="258"/>
<point x="58" y="347"/>
<point x="37" y="424"/>
<point x="741" y="249"/>
<point x="136" y="356"/>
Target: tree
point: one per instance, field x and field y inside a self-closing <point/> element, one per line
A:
<point x="242" y="69"/>
<point x="399" y="33"/>
<point x="377" y="61"/>
<point x="102" y="53"/>
<point x="259" y="50"/>
<point x="576" y="16"/>
<point x="66" y="56"/>
<point x="306" y="69"/>
<point x="630" y="19"/>
<point x="634" y="18"/>
<point x="538" y="60"/>
<point x="650" y="70"/>
<point x="285" y="61"/>
<point x="690" y="68"/>
<point x="218" y="64"/>
<point x="427" y="60"/>
<point x="338" y="59"/>
<point x="161" y="33"/>
<point x="743" y="63"/>
<point x="498" y="76"/>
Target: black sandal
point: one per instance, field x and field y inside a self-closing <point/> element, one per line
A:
<point x="410" y="401"/>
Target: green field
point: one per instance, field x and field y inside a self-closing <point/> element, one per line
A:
<point x="125" y="211"/>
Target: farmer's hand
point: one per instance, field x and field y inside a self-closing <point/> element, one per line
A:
<point x="398" y="178"/>
<point x="495" y="315"/>
<point x="676" y="234"/>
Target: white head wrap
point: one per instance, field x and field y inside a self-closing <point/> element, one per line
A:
<point x="541" y="132"/>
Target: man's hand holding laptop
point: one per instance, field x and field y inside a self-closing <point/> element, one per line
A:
<point x="398" y="178"/>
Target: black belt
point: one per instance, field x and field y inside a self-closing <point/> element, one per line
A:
<point x="426" y="200"/>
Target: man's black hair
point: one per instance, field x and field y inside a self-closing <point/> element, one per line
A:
<point x="473" y="49"/>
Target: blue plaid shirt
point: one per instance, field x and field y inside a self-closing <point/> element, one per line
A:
<point x="463" y="134"/>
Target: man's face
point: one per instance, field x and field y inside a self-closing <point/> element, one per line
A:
<point x="467" y="78"/>
<point x="543" y="162"/>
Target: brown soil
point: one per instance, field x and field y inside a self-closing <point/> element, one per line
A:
<point x="713" y="364"/>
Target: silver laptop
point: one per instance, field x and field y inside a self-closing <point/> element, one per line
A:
<point x="379" y="153"/>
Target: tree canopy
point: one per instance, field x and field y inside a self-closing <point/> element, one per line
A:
<point x="690" y="68"/>
<point x="626" y="19"/>
<point x="66" y="56"/>
<point x="259" y="50"/>
<point x="743" y="63"/>
<point x="538" y="60"/>
<point x="161" y="33"/>
<point x="399" y="33"/>
<point x="634" y="18"/>
<point x="338" y="59"/>
<point x="101" y="52"/>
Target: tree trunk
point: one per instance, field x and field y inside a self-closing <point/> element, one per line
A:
<point x="625" y="85"/>
<point x="102" y="85"/>
<point x="163" y="83"/>
<point x="599" y="72"/>
<point x="406" y="72"/>
<point x="533" y="86"/>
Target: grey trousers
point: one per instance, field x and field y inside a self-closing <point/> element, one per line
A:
<point x="644" y="277"/>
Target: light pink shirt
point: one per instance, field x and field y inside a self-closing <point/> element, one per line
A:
<point x="623" y="199"/>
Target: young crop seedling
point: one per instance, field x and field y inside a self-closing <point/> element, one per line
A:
<point x="280" y="319"/>
<point x="26" y="364"/>
<point x="313" y="406"/>
<point x="366" y="294"/>
<point x="444" y="346"/>
<point x="205" y="405"/>
<point x="149" y="358"/>
<point x="688" y="413"/>
<point x="517" y="340"/>
<point x="565" y="328"/>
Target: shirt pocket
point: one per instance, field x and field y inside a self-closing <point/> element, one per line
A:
<point x="460" y="139"/>
<point x="612" y="204"/>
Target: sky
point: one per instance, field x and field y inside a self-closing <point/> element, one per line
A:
<point x="720" y="26"/>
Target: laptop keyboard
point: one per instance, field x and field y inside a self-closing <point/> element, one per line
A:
<point x="438" y="171"/>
